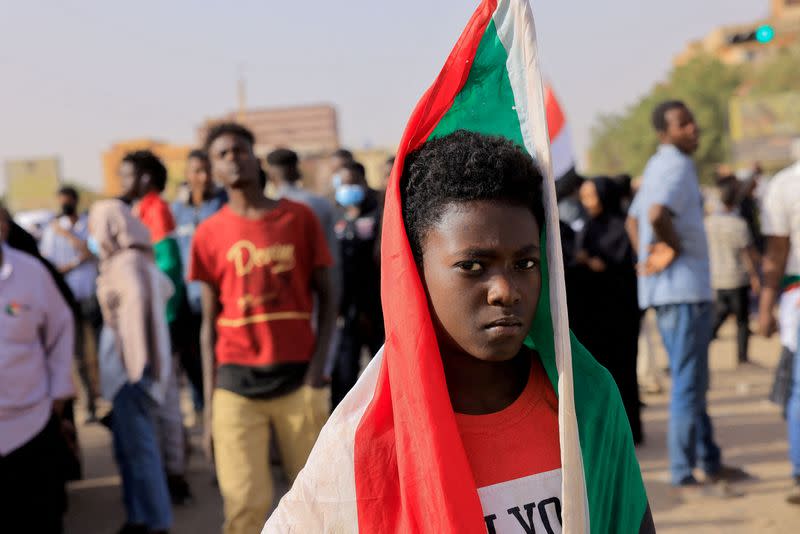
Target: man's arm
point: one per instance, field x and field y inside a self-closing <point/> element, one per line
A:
<point x="774" y="267"/>
<point x="208" y="338"/>
<point x="632" y="227"/>
<point x="752" y="259"/>
<point x="326" y="317"/>
<point x="58" y="341"/>
<point x="661" y="219"/>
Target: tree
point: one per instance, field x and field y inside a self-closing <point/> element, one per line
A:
<point x="624" y="143"/>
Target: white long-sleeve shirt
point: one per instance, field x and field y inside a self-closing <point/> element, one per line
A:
<point x="37" y="336"/>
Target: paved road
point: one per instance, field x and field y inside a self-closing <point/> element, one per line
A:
<point x="749" y="429"/>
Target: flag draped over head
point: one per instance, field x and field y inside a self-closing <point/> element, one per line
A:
<point x="390" y="458"/>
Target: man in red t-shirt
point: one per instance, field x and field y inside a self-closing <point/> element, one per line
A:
<point x="260" y="262"/>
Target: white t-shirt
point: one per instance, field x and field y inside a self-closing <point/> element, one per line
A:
<point x="781" y="213"/>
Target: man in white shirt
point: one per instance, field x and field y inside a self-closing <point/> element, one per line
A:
<point x="37" y="338"/>
<point x="64" y="245"/>
<point x="780" y="223"/>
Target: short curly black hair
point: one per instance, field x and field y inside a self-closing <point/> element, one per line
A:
<point x="463" y="167"/>
<point x="232" y="128"/>
<point x="659" y="116"/>
<point x="145" y="162"/>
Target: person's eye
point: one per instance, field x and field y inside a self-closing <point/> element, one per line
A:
<point x="470" y="266"/>
<point x="527" y="264"/>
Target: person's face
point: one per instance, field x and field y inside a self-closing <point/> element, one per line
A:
<point x="67" y="204"/>
<point x="337" y="162"/>
<point x="233" y="162"/>
<point x="198" y="174"/>
<point x="348" y="178"/>
<point x="130" y="180"/>
<point x="590" y="199"/>
<point x="480" y="268"/>
<point x="682" y="130"/>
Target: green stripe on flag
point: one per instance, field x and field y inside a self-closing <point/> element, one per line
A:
<point x="168" y="260"/>
<point x="616" y="493"/>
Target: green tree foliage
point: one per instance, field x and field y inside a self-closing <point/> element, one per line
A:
<point x="778" y="75"/>
<point x="624" y="142"/>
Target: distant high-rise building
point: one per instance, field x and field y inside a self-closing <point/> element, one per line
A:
<point x="308" y="130"/>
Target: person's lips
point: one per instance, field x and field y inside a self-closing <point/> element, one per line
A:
<point x="505" y="326"/>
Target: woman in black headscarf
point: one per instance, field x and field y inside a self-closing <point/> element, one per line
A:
<point x="607" y="321"/>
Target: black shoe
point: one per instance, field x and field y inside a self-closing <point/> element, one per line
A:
<point x="179" y="490"/>
<point x="107" y="420"/>
<point x="794" y="495"/>
<point x="728" y="473"/>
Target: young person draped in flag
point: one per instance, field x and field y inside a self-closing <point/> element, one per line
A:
<point x="471" y="419"/>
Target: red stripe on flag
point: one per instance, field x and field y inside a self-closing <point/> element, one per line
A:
<point x="555" y="117"/>
<point x="411" y="471"/>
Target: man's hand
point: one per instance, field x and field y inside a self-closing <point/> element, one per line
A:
<point x="755" y="284"/>
<point x="660" y="257"/>
<point x="208" y="442"/>
<point x="316" y="378"/>
<point x="58" y="407"/>
<point x="596" y="264"/>
<point x="767" y="325"/>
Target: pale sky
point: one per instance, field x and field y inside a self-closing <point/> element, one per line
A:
<point x="78" y="75"/>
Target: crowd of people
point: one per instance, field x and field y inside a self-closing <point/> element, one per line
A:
<point x="258" y="302"/>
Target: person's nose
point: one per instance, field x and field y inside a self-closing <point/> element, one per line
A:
<point x="503" y="290"/>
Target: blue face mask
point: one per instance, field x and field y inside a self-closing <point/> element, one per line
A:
<point x="350" y="195"/>
<point x="93" y="246"/>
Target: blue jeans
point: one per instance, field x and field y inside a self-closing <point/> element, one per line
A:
<point x="686" y="331"/>
<point x="144" y="484"/>
<point x="793" y="416"/>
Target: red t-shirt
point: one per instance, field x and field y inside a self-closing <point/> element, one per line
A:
<point x="262" y="270"/>
<point x="515" y="459"/>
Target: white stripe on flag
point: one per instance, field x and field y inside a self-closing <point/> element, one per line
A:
<point x="323" y="498"/>
<point x="516" y="30"/>
<point x="561" y="152"/>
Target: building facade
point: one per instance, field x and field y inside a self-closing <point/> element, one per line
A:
<point x="721" y="43"/>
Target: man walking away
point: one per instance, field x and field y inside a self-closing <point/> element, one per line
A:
<point x="734" y="259"/>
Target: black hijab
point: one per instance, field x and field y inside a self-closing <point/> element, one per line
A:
<point x="604" y="236"/>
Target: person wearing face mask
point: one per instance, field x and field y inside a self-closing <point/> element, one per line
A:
<point x="64" y="244"/>
<point x="361" y="319"/>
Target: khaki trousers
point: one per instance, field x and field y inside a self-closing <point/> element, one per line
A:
<point x="241" y="429"/>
